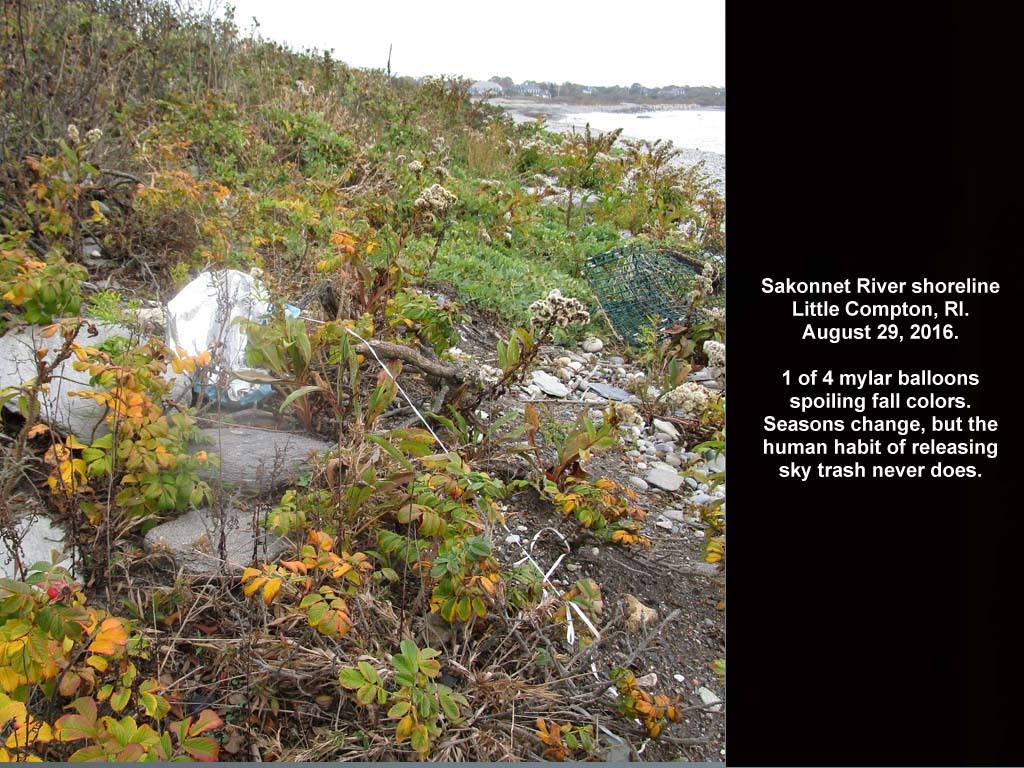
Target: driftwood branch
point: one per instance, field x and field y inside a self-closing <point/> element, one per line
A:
<point x="458" y="374"/>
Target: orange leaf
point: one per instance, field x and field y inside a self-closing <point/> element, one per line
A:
<point x="111" y="634"/>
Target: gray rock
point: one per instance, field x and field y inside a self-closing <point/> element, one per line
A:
<point x="675" y="514"/>
<point x="662" y="522"/>
<point x="692" y="482"/>
<point x="648" y="681"/>
<point x="81" y="416"/>
<point x="633" y="453"/>
<point x="700" y="498"/>
<point x="663" y="446"/>
<point x="617" y="753"/>
<point x="616" y="360"/>
<point x="667" y="427"/>
<point x="564" y="374"/>
<point x="194" y="541"/>
<point x="709" y="699"/>
<point x="662" y="465"/>
<point x="638" y="482"/>
<point x="673" y="461"/>
<point x="513" y="538"/>
<point x="702" y="375"/>
<point x="258" y="460"/>
<point x="610" y="392"/>
<point x="716" y="464"/>
<point x="664" y="479"/>
<point x="39" y="536"/>
<point x="549" y="384"/>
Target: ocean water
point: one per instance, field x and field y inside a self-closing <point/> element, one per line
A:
<point x="691" y="128"/>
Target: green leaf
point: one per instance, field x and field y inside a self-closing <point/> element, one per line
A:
<point x="366" y="694"/>
<point x="451" y="711"/>
<point x="368" y="672"/>
<point x="420" y="739"/>
<point x="350" y="678"/>
<point x="309" y="388"/>
<point x="254" y="376"/>
<point x="120" y="699"/>
<point x="399" y="710"/>
<point x="203" y="749"/>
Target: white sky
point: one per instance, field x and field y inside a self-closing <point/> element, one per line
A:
<point x="652" y="42"/>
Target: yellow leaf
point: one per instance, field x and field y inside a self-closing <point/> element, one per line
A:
<point x="249" y="573"/>
<point x="404" y="728"/>
<point x="271" y="588"/>
<point x="250" y="589"/>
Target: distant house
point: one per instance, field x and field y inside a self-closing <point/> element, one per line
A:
<point x="531" y="88"/>
<point x="675" y="90"/>
<point x="486" y="88"/>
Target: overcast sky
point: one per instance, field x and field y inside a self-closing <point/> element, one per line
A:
<point x="652" y="42"/>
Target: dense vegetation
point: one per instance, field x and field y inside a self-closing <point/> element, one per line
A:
<point x="149" y="143"/>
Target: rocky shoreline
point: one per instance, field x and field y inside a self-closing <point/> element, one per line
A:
<point x="559" y="118"/>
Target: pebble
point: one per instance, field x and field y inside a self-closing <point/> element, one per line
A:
<point x="692" y="482"/>
<point x="673" y="461"/>
<point x="664" y="479"/>
<point x="563" y="361"/>
<point x="513" y="538"/>
<point x="522" y="528"/>
<point x="664" y="447"/>
<point x="679" y="678"/>
<point x="576" y="365"/>
<point x="700" y="498"/>
<point x="616" y="360"/>
<point x="563" y="373"/>
<point x="667" y="427"/>
<point x="641" y="465"/>
<point x="549" y="384"/>
<point x="648" y="681"/>
<point x="709" y="699"/>
<point x="688" y="456"/>
<point x="595" y="551"/>
<point x="661" y="522"/>
<point x="633" y="453"/>
<point x="639" y="483"/>
<point x="675" y="514"/>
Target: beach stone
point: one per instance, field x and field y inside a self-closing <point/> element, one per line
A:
<point x="663" y="465"/>
<point x="702" y="375"/>
<point x="194" y="540"/>
<point x="82" y="417"/>
<point x="549" y="384"/>
<point x="637" y="482"/>
<point x="700" y="498"/>
<point x="593" y="345"/>
<point x="513" y="538"/>
<point x="564" y="374"/>
<point x="666" y="427"/>
<point x="633" y="453"/>
<point x="716" y="464"/>
<point x="692" y="482"/>
<point x="638" y="615"/>
<point x="39" y="536"/>
<point x="709" y="699"/>
<point x="258" y="460"/>
<point x="663" y="522"/>
<point x="673" y="461"/>
<point x="616" y="360"/>
<point x="664" y="479"/>
<point x="648" y="681"/>
<point x="610" y="392"/>
<point x="663" y="446"/>
<point x="675" y="514"/>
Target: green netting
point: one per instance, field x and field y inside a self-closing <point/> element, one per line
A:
<point x="635" y="284"/>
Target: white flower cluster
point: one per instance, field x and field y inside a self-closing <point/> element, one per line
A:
<point x="91" y="136"/>
<point x="488" y="375"/>
<point x="435" y="199"/>
<point x="415" y="166"/>
<point x="715" y="350"/>
<point x="441" y="172"/>
<point x="562" y="310"/>
<point x="715" y="314"/>
<point x="690" y="397"/>
<point x="627" y="415"/>
<point x="704" y="283"/>
<point x="306" y="89"/>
